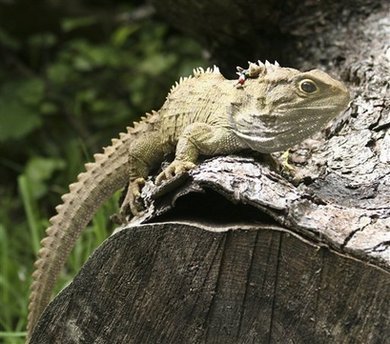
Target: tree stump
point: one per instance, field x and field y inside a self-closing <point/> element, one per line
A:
<point x="179" y="283"/>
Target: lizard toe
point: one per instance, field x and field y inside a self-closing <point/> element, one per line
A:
<point x="132" y="200"/>
<point x="175" y="168"/>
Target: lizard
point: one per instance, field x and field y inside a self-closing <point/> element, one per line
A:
<point x="268" y="109"/>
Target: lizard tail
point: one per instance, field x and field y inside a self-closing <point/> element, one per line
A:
<point x="101" y="179"/>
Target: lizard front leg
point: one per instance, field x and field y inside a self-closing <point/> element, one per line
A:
<point x="199" y="139"/>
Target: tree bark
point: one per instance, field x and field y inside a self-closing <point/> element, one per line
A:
<point x="239" y="253"/>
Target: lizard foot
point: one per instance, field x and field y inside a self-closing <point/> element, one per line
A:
<point x="285" y="165"/>
<point x="133" y="198"/>
<point x="175" y="168"/>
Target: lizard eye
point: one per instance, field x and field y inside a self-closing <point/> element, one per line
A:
<point x="308" y="86"/>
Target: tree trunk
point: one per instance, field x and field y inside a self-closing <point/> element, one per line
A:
<point x="238" y="253"/>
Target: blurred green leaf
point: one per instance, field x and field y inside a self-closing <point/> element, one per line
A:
<point x="121" y="35"/>
<point x="30" y="91"/>
<point x="30" y="209"/>
<point x="19" y="111"/>
<point x="16" y="120"/>
<point x="82" y="64"/>
<point x="59" y="72"/>
<point x="38" y="170"/>
<point x="156" y="64"/>
<point x="87" y="95"/>
<point x="46" y="39"/>
<point x="70" y="24"/>
<point x="48" y="108"/>
<point x="8" y="41"/>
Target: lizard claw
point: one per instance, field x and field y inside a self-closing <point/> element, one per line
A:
<point x="133" y="198"/>
<point x="175" y="168"/>
<point x="285" y="166"/>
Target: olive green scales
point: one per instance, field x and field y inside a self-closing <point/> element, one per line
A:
<point x="268" y="109"/>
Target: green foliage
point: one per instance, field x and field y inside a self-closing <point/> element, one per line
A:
<point x="67" y="86"/>
<point x="70" y="24"/>
<point x="19" y="108"/>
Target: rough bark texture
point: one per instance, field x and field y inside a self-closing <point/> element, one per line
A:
<point x="361" y="232"/>
<point x="304" y="262"/>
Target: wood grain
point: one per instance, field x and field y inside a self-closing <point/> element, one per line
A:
<point x="177" y="283"/>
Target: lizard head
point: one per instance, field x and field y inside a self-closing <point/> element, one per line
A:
<point x="284" y="106"/>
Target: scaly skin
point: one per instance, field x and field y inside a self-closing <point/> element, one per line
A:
<point x="269" y="109"/>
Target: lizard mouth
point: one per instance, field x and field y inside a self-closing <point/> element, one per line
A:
<point x="283" y="109"/>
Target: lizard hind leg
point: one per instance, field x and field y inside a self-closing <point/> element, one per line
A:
<point x="133" y="198"/>
<point x="144" y="153"/>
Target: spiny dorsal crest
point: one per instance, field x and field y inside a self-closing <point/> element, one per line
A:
<point x="196" y="73"/>
<point x="147" y="122"/>
<point x="258" y="69"/>
<point x="177" y="83"/>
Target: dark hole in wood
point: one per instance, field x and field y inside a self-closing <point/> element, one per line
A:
<point x="213" y="208"/>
